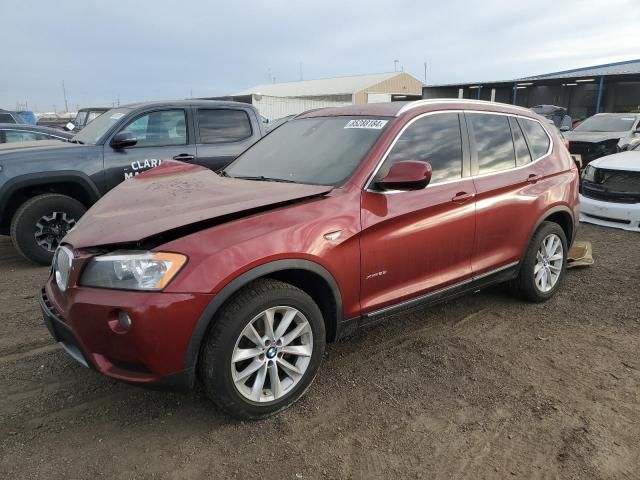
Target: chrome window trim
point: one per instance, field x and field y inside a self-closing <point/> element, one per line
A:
<point x="367" y="187"/>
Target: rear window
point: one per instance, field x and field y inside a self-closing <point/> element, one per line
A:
<point x="537" y="137"/>
<point x="523" y="156"/>
<point x="492" y="137"/>
<point x="6" y="118"/>
<point x="223" y="125"/>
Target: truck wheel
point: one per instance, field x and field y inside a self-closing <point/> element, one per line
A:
<point x="41" y="222"/>
<point x="263" y="350"/>
<point x="544" y="264"/>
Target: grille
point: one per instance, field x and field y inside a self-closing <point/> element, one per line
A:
<point x="613" y="186"/>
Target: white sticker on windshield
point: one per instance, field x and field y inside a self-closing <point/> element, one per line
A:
<point x="366" y="123"/>
<point x="116" y="116"/>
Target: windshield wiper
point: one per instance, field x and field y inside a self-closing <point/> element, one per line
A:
<point x="265" y="179"/>
<point x="222" y="173"/>
<point x="79" y="142"/>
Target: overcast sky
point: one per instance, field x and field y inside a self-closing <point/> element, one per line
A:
<point x="151" y="49"/>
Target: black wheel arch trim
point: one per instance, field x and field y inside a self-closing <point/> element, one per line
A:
<point x="202" y="325"/>
<point x="44" y="178"/>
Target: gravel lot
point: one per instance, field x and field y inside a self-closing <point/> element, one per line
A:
<point x="481" y="387"/>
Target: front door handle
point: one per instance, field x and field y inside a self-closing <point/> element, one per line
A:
<point x="462" y="197"/>
<point x="184" y="157"/>
<point x="533" y="178"/>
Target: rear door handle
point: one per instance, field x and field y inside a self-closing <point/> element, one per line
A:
<point x="533" y="178"/>
<point x="462" y="197"/>
<point x="185" y="157"/>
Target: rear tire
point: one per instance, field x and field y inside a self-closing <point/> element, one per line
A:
<point x="544" y="265"/>
<point x="283" y="359"/>
<point x="41" y="222"/>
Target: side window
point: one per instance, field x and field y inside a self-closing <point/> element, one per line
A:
<point x="223" y="125"/>
<point x="159" y="129"/>
<point x="493" y="142"/>
<point x="17" y="136"/>
<point x="537" y="136"/>
<point x="435" y="139"/>
<point x="6" y="118"/>
<point x="523" y="156"/>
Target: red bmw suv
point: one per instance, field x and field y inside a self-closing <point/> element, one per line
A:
<point x="338" y="217"/>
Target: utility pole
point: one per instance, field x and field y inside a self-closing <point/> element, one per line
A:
<point x="64" y="92"/>
<point x="425" y="73"/>
<point x="300" y="71"/>
<point x="395" y="65"/>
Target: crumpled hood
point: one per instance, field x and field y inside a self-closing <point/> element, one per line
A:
<point x="594" y="137"/>
<point x="175" y="195"/>
<point x="628" y="161"/>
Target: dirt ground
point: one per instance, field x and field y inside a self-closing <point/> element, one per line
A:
<point x="481" y="387"/>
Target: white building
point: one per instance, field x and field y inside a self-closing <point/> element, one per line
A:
<point x="276" y="100"/>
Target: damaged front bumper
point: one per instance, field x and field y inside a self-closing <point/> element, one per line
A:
<point x="610" y="214"/>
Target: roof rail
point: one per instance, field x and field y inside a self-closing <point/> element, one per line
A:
<point x="429" y="101"/>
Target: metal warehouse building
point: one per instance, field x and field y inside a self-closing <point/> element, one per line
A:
<point x="276" y="100"/>
<point x="613" y="87"/>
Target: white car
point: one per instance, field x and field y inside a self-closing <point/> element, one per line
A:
<point x="611" y="191"/>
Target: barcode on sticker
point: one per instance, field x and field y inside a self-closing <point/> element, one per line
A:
<point x="366" y="123"/>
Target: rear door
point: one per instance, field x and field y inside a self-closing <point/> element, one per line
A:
<point x="414" y="242"/>
<point x="163" y="134"/>
<point x="222" y="134"/>
<point x="508" y="184"/>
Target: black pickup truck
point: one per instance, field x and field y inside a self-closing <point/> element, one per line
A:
<point x="46" y="186"/>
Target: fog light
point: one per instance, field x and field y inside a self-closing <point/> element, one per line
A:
<point x="124" y="320"/>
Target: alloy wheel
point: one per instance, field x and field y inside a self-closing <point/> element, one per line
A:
<point x="272" y="354"/>
<point x="51" y="229"/>
<point x="549" y="260"/>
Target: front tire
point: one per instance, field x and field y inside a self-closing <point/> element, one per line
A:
<point x="263" y="350"/>
<point x="40" y="223"/>
<point x="544" y="264"/>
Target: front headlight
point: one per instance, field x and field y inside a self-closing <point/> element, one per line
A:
<point x="132" y="270"/>
<point x="589" y="173"/>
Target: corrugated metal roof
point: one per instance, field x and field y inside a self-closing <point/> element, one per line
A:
<point x="618" y="68"/>
<point x="324" y="86"/>
<point x="628" y="67"/>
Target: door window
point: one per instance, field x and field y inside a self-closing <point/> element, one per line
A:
<point x="223" y="125"/>
<point x="537" y="136"/>
<point x="6" y="118"/>
<point x="493" y="142"/>
<point x="523" y="156"/>
<point x="159" y="129"/>
<point x="17" y="136"/>
<point x="435" y="139"/>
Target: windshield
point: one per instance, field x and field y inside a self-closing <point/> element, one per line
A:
<point x="607" y="123"/>
<point x="93" y="132"/>
<point x="318" y="151"/>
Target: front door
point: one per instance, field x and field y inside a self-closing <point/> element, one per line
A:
<point x="162" y="135"/>
<point x="415" y="242"/>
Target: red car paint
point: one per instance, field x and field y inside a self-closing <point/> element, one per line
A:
<point x="378" y="250"/>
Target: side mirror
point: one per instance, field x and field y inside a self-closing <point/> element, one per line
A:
<point x="406" y="175"/>
<point x="565" y="128"/>
<point x="123" y="140"/>
<point x="636" y="131"/>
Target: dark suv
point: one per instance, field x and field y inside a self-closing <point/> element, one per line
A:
<point x="46" y="186"/>
<point x="333" y="220"/>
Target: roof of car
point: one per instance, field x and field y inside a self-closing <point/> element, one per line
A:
<point x="395" y="109"/>
<point x="182" y="103"/>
